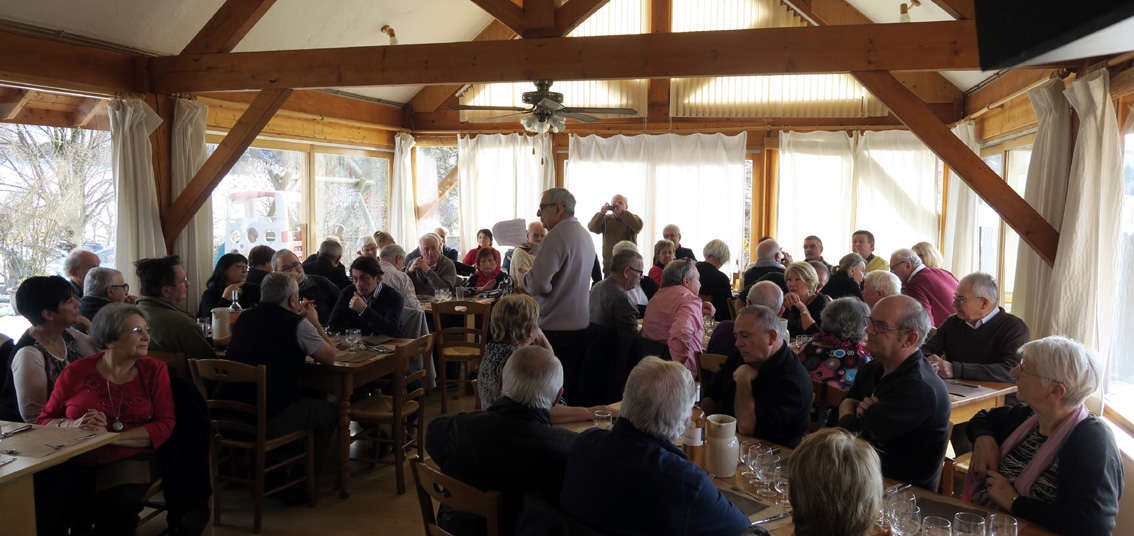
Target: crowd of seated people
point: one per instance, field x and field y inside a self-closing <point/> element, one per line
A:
<point x="870" y="326"/>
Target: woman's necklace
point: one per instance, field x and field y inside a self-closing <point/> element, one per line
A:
<point x="117" y="425"/>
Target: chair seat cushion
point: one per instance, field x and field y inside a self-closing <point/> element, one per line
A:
<point x="379" y="408"/>
<point x="461" y="352"/>
<point x="961" y="463"/>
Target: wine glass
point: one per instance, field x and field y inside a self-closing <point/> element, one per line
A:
<point x="968" y="524"/>
<point x="1002" y="525"/>
<point x="745" y="448"/>
<point x="766" y="473"/>
<point x="902" y="501"/>
<point x="603" y="420"/>
<point x="905" y="521"/>
<point x="354" y="338"/>
<point x="755" y="451"/>
<point x="936" y="526"/>
<point x="783" y="486"/>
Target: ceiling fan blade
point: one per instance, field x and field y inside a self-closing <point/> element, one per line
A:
<point x="578" y="117"/>
<point x="508" y="115"/>
<point x="494" y="108"/>
<point x="550" y="105"/>
<point x="613" y="111"/>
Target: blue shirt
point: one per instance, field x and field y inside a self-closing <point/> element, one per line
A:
<point x="626" y="482"/>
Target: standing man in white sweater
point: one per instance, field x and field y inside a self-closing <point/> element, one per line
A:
<point x="560" y="280"/>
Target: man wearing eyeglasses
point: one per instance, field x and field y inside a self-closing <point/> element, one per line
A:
<point x="103" y="286"/>
<point x="980" y="341"/>
<point x="897" y="403"/>
<point x="933" y="288"/>
<point x="611" y="306"/>
<point x="164" y="287"/>
<point x="672" y="233"/>
<point x="311" y="287"/>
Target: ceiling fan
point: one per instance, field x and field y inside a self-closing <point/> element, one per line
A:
<point x="547" y="111"/>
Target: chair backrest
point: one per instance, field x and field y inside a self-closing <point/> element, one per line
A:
<point x="434" y="485"/>
<point x="462" y="336"/>
<point x="708" y="364"/>
<point x="705" y="298"/>
<point x="238" y="420"/>
<point x="175" y="362"/>
<point x="824" y="398"/>
<point x="403" y="353"/>
<point x="734" y="306"/>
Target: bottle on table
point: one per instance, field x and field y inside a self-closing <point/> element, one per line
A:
<point x="234" y="309"/>
<point x="693" y="441"/>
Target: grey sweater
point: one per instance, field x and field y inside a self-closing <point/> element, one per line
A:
<point x="560" y="278"/>
<point x="611" y="307"/>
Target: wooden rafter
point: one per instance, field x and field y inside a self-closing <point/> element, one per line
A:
<point x="958" y="9"/>
<point x="571" y="14"/>
<point x="197" y="192"/>
<point x="228" y="26"/>
<point x="12" y="102"/>
<point x="506" y="12"/>
<point x="657" y="93"/>
<point x="87" y="110"/>
<point x="1032" y="228"/>
<point x="823" y="49"/>
<point x="41" y="61"/>
<point x="1005" y="87"/>
<point x="443" y="188"/>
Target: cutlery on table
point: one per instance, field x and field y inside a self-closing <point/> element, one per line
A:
<point x="65" y="443"/>
<point x="770" y="519"/>
<point x="10" y="452"/>
<point x="23" y="428"/>
<point x="739" y="489"/>
<point x="6" y="462"/>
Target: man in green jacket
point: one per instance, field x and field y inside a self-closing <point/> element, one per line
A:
<point x="164" y="286"/>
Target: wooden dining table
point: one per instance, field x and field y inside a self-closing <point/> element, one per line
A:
<point x="971" y="396"/>
<point x="17" y="497"/>
<point x="352" y="368"/>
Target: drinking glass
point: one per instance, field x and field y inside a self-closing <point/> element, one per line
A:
<point x="206" y="325"/>
<point x="1002" y="525"/>
<point x="354" y="338"/>
<point x="906" y="522"/>
<point x="766" y="473"/>
<point x="603" y="419"/>
<point x="745" y="447"/>
<point x="903" y="501"/>
<point x="755" y="451"/>
<point x="782" y="486"/>
<point x="444" y="295"/>
<point x="968" y="524"/>
<point x="936" y="526"/>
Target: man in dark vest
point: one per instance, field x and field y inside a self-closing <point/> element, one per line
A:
<point x="281" y="332"/>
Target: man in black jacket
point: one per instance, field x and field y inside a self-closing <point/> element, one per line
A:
<point x="368" y="305"/>
<point x="326" y="263"/>
<point x="313" y="288"/>
<point x="511" y="447"/>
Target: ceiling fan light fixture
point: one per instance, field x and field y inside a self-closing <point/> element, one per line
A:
<point x="558" y="123"/>
<point x="528" y="122"/>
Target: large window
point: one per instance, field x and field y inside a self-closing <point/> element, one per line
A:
<point x="56" y="193"/>
<point x="438" y="191"/>
<point x="352" y="198"/>
<point x="996" y="243"/>
<point x="1120" y="381"/>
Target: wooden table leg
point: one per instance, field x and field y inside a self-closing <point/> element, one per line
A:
<point x="17" y="506"/>
<point x="343" y="395"/>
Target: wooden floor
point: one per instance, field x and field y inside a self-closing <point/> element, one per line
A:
<point x="374" y="506"/>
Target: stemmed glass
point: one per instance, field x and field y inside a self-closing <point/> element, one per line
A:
<point x="903" y="501"/>
<point x="746" y="448"/>
<point x="968" y="524"/>
<point x="765" y="470"/>
<point x="354" y="338"/>
<point x="936" y="526"/>
<point x="782" y="486"/>
<point x="1002" y="525"/>
<point x="905" y="521"/>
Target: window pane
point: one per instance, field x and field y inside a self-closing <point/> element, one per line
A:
<point x="1120" y="384"/>
<point x="438" y="192"/>
<point x="56" y="193"/>
<point x="352" y="198"/>
<point x="1017" y="177"/>
<point x="260" y="201"/>
<point x="988" y="226"/>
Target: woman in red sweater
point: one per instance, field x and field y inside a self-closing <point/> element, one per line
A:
<point x="483" y="241"/>
<point x="120" y="390"/>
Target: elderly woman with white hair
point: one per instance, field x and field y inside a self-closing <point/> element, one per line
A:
<point x="847" y="279"/>
<point x="676" y="315"/>
<point x="1048" y="459"/>
<point x="836" y="353"/>
<point x="714" y="282"/>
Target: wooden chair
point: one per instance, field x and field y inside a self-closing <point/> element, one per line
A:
<point x="823" y="398"/>
<point x="708" y="365"/>
<point x="175" y="362"/>
<point x="735" y="306"/>
<point x="952" y="469"/>
<point x="949" y="465"/>
<point x="238" y="426"/>
<point x="435" y="485"/>
<point x="463" y="345"/>
<point x="148" y="501"/>
<point x="476" y="392"/>
<point x="396" y="410"/>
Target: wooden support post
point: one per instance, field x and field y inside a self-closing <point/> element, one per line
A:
<point x="228" y="26"/>
<point x="1032" y="228"/>
<point x="218" y="165"/>
<point x="161" y="141"/>
<point x="657" y="95"/>
<point x="540" y="19"/>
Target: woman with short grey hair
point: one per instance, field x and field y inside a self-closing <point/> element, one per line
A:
<point x="714" y="282"/>
<point x="676" y="314"/>
<point x="835" y="354"/>
<point x="1048" y="460"/>
<point x="663" y="255"/>
<point x="847" y="279"/>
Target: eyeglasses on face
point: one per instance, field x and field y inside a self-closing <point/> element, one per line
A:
<point x="879" y="326"/>
<point x="1026" y="372"/>
<point x="669" y="236"/>
<point x="125" y="287"/>
<point x="242" y="267"/>
<point x="546" y="205"/>
<point x="140" y="330"/>
<point x="640" y="272"/>
<point x="293" y="267"/>
<point x="960" y="299"/>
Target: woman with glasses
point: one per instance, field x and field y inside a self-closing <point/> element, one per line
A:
<point x="1048" y="459"/>
<point x="230" y="274"/>
<point x="663" y="255"/>
<point x="44" y="350"/>
<point x="120" y="390"/>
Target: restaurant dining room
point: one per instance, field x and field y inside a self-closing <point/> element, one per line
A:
<point x="566" y="267"/>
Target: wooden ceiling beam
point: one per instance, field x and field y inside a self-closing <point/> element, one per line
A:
<point x="571" y="14"/>
<point x="1031" y="226"/>
<point x="821" y="49"/>
<point x="51" y="63"/>
<point x="657" y="93"/>
<point x="228" y="26"/>
<point x="12" y="102"/>
<point x="197" y="192"/>
<point x="1005" y="87"/>
<point x="88" y="110"/>
<point x="506" y="12"/>
<point x="327" y="105"/>
<point x="958" y="9"/>
<point x="539" y="18"/>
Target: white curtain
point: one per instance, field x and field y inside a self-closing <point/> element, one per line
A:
<point x="1083" y="279"/>
<point x="895" y="175"/>
<point x="695" y="182"/>
<point x="501" y="177"/>
<point x="1046" y="191"/>
<point x="815" y="189"/>
<point x="403" y="212"/>
<point x="139" y="225"/>
<point x="961" y="214"/>
<point x="188" y="154"/>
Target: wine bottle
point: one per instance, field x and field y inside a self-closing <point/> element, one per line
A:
<point x="693" y="441"/>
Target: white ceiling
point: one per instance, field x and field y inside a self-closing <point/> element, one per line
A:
<point x="166" y="26"/>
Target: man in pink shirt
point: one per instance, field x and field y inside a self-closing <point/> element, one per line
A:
<point x="676" y="313"/>
<point x="932" y="287"/>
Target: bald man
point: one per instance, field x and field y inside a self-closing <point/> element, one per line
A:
<point x="615" y="224"/>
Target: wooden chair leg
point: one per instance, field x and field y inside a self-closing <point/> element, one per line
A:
<point x="311" y="500"/>
<point x="258" y="490"/>
<point x="398" y="430"/>
<point x="441" y="373"/>
<point x="214" y="468"/>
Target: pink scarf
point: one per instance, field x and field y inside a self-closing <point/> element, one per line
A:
<point x="976" y="493"/>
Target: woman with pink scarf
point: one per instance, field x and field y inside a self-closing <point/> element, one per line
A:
<point x="1048" y="460"/>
